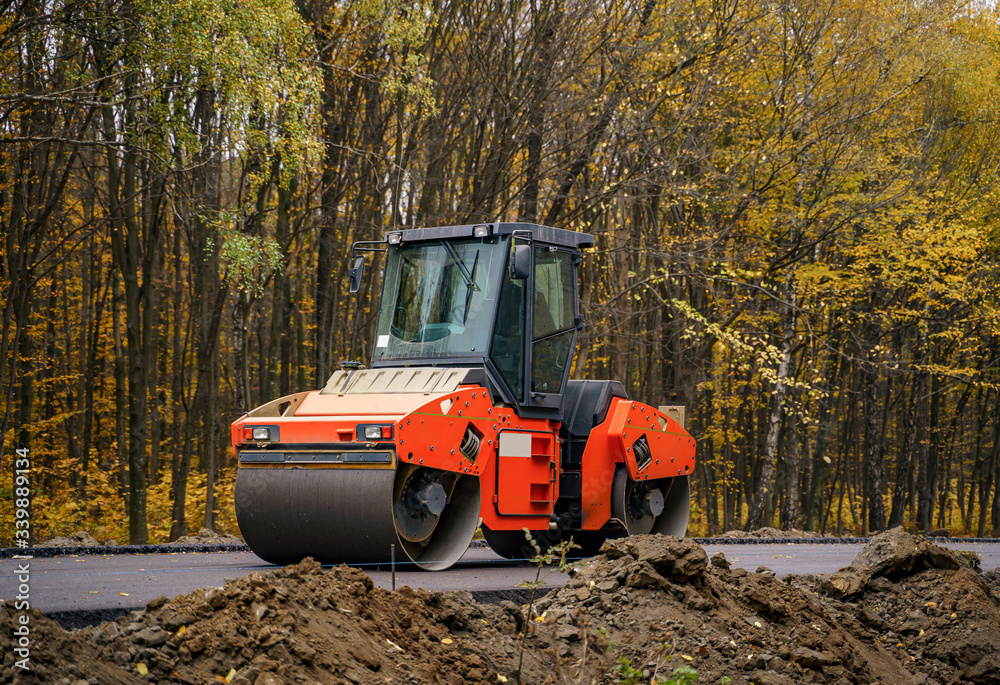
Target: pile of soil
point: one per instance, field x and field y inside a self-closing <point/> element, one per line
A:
<point x="80" y="538"/>
<point x="904" y="612"/>
<point x="770" y="533"/>
<point x="207" y="536"/>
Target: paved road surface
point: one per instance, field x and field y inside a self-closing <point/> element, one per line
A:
<point x="94" y="583"/>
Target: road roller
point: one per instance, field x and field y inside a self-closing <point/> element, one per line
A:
<point x="464" y="419"/>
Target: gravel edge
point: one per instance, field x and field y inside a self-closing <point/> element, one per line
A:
<point x="103" y="550"/>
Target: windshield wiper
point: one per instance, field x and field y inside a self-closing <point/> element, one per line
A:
<point x="466" y="276"/>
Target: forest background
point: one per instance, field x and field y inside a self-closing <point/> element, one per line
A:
<point x="795" y="204"/>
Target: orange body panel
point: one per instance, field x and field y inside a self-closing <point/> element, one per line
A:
<point x="671" y="454"/>
<point x="430" y="434"/>
<point x="398" y="404"/>
<point x="517" y="492"/>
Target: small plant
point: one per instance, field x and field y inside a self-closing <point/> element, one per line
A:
<point x="627" y="673"/>
<point x="555" y="554"/>
<point x="682" y="675"/>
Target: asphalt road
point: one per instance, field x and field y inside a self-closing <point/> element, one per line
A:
<point x="117" y="582"/>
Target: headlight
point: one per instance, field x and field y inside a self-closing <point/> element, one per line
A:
<point x="261" y="434"/>
<point x="374" y="432"/>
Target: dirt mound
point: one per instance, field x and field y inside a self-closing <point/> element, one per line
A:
<point x="992" y="579"/>
<point x="206" y="536"/>
<point x="645" y="607"/>
<point x="770" y="533"/>
<point x="80" y="538"/>
<point x="892" y="554"/>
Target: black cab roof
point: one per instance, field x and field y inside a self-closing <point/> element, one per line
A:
<point x="543" y="234"/>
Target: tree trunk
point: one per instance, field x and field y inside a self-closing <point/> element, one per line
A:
<point x="790" y="513"/>
<point x="763" y="493"/>
<point x="927" y="475"/>
<point x="121" y="392"/>
<point x="873" y="447"/>
<point x="904" y="467"/>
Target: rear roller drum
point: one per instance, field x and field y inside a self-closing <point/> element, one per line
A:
<point x="655" y="506"/>
<point x="511" y="544"/>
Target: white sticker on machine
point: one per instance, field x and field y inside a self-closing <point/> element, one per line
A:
<point x="515" y="444"/>
<point x="383" y="341"/>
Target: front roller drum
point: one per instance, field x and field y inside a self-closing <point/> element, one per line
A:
<point x="354" y="515"/>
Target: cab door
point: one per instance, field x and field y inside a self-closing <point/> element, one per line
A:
<point x="553" y="312"/>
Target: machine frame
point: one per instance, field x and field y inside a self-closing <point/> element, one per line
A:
<point x="419" y="450"/>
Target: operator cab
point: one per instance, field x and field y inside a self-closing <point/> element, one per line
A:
<point x="500" y="296"/>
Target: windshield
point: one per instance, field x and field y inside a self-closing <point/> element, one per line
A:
<point x="438" y="299"/>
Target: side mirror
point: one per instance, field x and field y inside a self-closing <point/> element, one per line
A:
<point x="355" y="273"/>
<point x="520" y="263"/>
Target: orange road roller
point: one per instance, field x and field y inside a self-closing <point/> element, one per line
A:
<point x="466" y="418"/>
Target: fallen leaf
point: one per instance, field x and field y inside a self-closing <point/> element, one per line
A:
<point x="182" y="630"/>
<point x="141" y="667"/>
<point x="230" y="675"/>
<point x="686" y="657"/>
<point x="93" y="592"/>
<point x="394" y="646"/>
<point x="447" y="641"/>
<point x="501" y="678"/>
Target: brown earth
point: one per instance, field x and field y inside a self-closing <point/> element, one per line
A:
<point x="910" y="612"/>
<point x="768" y="532"/>
<point x="206" y="536"/>
<point x="82" y="538"/>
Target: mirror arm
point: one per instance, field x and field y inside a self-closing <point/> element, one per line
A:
<point x="357" y="263"/>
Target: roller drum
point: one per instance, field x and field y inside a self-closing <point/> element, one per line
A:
<point x="344" y="515"/>
<point x="676" y="514"/>
<point x="332" y="515"/>
<point x="660" y="506"/>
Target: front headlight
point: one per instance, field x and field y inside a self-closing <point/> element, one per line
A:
<point x="374" y="432"/>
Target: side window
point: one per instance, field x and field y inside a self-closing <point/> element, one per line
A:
<point x="554" y="319"/>
<point x="553" y="291"/>
<point x="507" y="350"/>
